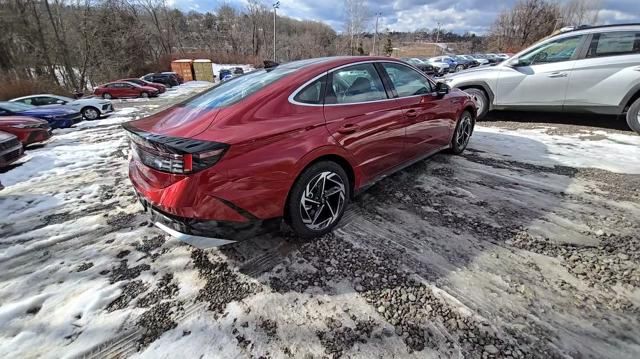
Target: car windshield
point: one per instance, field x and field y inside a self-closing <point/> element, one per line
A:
<point x="64" y="98"/>
<point x="239" y="87"/>
<point x="15" y="106"/>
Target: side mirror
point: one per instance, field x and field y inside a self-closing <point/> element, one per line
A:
<point x="442" y="89"/>
<point x="517" y="63"/>
<point x="60" y="102"/>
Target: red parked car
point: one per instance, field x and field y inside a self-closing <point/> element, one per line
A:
<point x="119" y="89"/>
<point x="10" y="150"/>
<point x="295" y="141"/>
<point x="160" y="87"/>
<point x="29" y="130"/>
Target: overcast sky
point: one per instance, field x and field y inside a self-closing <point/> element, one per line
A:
<point x="408" y="15"/>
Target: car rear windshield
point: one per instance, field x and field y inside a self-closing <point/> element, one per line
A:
<point x="238" y="88"/>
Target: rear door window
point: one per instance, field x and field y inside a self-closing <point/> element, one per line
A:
<point x="355" y="84"/>
<point x="614" y="43"/>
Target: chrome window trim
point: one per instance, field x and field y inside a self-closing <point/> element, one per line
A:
<point x="300" y="88"/>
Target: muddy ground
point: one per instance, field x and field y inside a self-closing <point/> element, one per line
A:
<point x="484" y="255"/>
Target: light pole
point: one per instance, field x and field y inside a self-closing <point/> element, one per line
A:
<point x="438" y="37"/>
<point x="375" y="50"/>
<point x="276" y="6"/>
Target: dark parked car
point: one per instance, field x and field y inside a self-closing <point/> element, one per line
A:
<point x="160" y="87"/>
<point x="121" y="89"/>
<point x="29" y="130"/>
<point x="465" y="62"/>
<point x="168" y="80"/>
<point x="225" y="74"/>
<point x="496" y="58"/>
<point x="178" y="77"/>
<point x="238" y="71"/>
<point x="423" y="66"/>
<point x="292" y="142"/>
<point x="10" y="149"/>
<point x="492" y="60"/>
<point x="58" y="116"/>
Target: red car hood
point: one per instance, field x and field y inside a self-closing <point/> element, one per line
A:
<point x="149" y="88"/>
<point x="177" y="121"/>
<point x="16" y="120"/>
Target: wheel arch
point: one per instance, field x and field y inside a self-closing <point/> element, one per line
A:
<point x="90" y="106"/>
<point x="480" y="85"/>
<point x="629" y="99"/>
<point x="310" y="160"/>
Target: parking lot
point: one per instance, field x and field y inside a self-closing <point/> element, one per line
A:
<point x="526" y="246"/>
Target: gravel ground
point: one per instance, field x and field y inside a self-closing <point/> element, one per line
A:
<point x="482" y="255"/>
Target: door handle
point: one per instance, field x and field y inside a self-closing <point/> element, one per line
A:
<point x="348" y="129"/>
<point x="412" y="113"/>
<point x="557" y="74"/>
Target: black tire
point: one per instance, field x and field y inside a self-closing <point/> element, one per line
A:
<point x="90" y="113"/>
<point x="482" y="101"/>
<point x="633" y="116"/>
<point x="459" y="68"/>
<point x="294" y="211"/>
<point x="107" y="96"/>
<point x="465" y="125"/>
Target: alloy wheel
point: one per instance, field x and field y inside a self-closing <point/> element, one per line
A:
<point x="479" y="103"/>
<point x="463" y="134"/>
<point x="322" y="201"/>
<point x="91" y="114"/>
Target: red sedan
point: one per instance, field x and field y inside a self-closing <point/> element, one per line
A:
<point x="29" y="130"/>
<point x="160" y="87"/>
<point x="293" y="142"/>
<point x="121" y="89"/>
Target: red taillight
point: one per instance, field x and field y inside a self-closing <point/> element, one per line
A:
<point x="176" y="155"/>
<point x="187" y="163"/>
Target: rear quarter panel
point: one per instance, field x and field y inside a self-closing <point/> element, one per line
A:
<point x="271" y="141"/>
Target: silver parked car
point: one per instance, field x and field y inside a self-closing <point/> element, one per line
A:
<point x="594" y="69"/>
<point x="91" y="107"/>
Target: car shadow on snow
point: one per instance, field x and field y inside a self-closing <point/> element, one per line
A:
<point x="527" y="119"/>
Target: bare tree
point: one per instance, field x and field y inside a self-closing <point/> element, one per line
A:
<point x="527" y="22"/>
<point x="581" y="12"/>
<point x="357" y="14"/>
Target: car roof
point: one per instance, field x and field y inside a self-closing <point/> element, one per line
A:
<point x="327" y="63"/>
<point x="37" y="95"/>
<point x="586" y="30"/>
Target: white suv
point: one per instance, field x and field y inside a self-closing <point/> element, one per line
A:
<point x="595" y="69"/>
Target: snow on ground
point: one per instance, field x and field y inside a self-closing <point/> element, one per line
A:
<point x="609" y="151"/>
<point x="525" y="246"/>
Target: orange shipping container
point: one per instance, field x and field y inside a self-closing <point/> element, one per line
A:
<point x="184" y="68"/>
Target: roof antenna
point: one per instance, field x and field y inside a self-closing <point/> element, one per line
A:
<point x="268" y="64"/>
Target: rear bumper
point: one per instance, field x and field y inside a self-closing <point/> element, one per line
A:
<point x="37" y="136"/>
<point x="187" y="206"/>
<point x="217" y="232"/>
